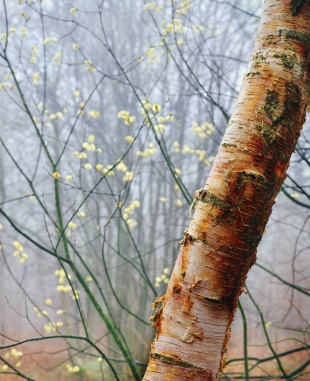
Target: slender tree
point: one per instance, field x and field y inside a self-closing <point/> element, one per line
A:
<point x="231" y="211"/>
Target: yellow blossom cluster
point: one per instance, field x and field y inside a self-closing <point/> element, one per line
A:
<point x="50" y="40"/>
<point x="173" y="27"/>
<point x="184" y="7"/>
<point x="72" y="226"/>
<point x="203" y="131"/>
<point x="16" y="355"/>
<point x="89" y="66"/>
<point x="131" y="223"/>
<point x="147" y="107"/>
<point x="178" y="202"/>
<point x="57" y="115"/>
<point x="4" y="86"/>
<point x="200" y="153"/>
<point x="19" y="252"/>
<point x="150" y="112"/>
<point x="35" y="78"/>
<point x="52" y="326"/>
<point x="8" y="85"/>
<point x="65" y="288"/>
<point x="130" y="208"/>
<point x="88" y="166"/>
<point x="295" y="195"/>
<point x="62" y="276"/>
<point x="48" y="302"/>
<point x="152" y="5"/>
<point x="125" y="115"/>
<point x="40" y="313"/>
<point x="72" y="369"/>
<point x="24" y="31"/>
<point x="69" y="178"/>
<point x="177" y="172"/>
<point x="35" y="53"/>
<point x="128" y="176"/>
<point x="122" y="167"/>
<point x="108" y="170"/>
<point x="89" y="146"/>
<point x="57" y="58"/>
<point x="162" y="278"/>
<point x="129" y="139"/>
<point x="151" y="56"/>
<point x="94" y="114"/>
<point x="198" y="28"/>
<point x="76" y="294"/>
<point x="159" y="128"/>
<point x="56" y="175"/>
<point x="127" y="212"/>
<point x="148" y="152"/>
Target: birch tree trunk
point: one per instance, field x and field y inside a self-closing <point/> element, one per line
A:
<point x="231" y="211"/>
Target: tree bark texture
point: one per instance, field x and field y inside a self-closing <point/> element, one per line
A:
<point x="232" y="210"/>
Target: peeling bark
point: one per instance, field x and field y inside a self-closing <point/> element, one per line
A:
<point x="232" y="210"/>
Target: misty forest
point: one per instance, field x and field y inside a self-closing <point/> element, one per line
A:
<point x="113" y="157"/>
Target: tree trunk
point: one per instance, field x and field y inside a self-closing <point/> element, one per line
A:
<point x="231" y="211"/>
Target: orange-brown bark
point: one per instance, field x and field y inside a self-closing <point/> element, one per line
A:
<point x="233" y="208"/>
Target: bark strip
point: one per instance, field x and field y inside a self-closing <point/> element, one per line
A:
<point x="231" y="211"/>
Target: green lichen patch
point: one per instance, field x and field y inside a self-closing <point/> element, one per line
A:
<point x="295" y="35"/>
<point x="268" y="132"/>
<point x="296" y="6"/>
<point x="270" y="39"/>
<point x="210" y="198"/>
<point x="173" y="361"/>
<point x="272" y="103"/>
<point x="280" y="112"/>
<point x="291" y="103"/>
<point x="226" y="145"/>
<point x="255" y="178"/>
<point x="252" y="73"/>
<point x="288" y="60"/>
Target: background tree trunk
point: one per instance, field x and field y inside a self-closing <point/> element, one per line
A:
<point x="231" y="211"/>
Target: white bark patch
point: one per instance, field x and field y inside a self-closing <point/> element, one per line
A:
<point x="191" y="334"/>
